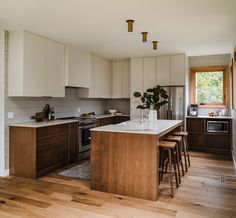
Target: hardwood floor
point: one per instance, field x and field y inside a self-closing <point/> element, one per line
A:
<point x="208" y="190"/>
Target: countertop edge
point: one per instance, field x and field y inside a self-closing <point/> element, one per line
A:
<point x="42" y="124"/>
<point x="209" y="117"/>
<point x="139" y="131"/>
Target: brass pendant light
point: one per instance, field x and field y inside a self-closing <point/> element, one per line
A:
<point x="130" y="25"/>
<point x="144" y="36"/>
<point x="154" y="43"/>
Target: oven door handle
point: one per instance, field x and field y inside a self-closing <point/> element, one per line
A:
<point x="80" y="136"/>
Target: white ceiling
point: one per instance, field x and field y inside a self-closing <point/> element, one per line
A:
<point x="194" y="27"/>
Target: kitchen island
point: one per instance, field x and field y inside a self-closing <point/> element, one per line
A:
<point x="125" y="157"/>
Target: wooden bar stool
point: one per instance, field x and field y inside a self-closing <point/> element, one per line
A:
<point x="184" y="136"/>
<point x="169" y="149"/>
<point x="178" y="140"/>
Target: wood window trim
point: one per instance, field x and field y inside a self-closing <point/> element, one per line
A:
<point x="193" y="72"/>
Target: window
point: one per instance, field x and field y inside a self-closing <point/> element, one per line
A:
<point x="209" y="85"/>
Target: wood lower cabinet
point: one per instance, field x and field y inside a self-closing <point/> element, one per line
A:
<point x="105" y="121"/>
<point x="37" y="151"/>
<point x="120" y="119"/>
<point x="201" y="140"/>
<point x="73" y="141"/>
<point x="112" y="120"/>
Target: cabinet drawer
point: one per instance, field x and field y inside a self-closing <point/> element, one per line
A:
<point x="107" y="121"/>
<point x="120" y="119"/>
<point x="52" y="130"/>
<point x="51" y="141"/>
<point x="196" y="140"/>
<point x="52" y="156"/>
<point x="195" y="125"/>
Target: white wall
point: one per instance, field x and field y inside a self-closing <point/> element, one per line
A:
<point x="2" y="92"/>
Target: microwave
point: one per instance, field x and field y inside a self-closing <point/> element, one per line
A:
<point x="217" y="126"/>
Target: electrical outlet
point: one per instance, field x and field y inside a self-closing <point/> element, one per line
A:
<point x="10" y="115"/>
<point x="79" y="110"/>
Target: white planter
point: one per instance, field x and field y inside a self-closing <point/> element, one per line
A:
<point x="152" y="119"/>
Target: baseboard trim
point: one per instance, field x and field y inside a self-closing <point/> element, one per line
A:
<point x="234" y="160"/>
<point x="4" y="173"/>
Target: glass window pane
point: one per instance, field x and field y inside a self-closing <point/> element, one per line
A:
<point x="209" y="87"/>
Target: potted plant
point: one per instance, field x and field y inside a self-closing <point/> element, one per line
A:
<point x="152" y="100"/>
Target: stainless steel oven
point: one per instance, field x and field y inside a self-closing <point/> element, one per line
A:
<point x="220" y="126"/>
<point x="84" y="139"/>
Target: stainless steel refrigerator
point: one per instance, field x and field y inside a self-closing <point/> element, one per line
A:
<point x="175" y="109"/>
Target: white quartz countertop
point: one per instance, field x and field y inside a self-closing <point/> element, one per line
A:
<point x="211" y="117"/>
<point x="35" y="124"/>
<point x="134" y="126"/>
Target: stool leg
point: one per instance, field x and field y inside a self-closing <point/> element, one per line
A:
<point x="180" y="158"/>
<point x="170" y="167"/>
<point x="162" y="164"/>
<point x="177" y="158"/>
<point x="185" y="154"/>
<point x="175" y="169"/>
<point x="186" y="141"/>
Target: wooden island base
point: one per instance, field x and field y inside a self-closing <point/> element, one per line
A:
<point x="126" y="163"/>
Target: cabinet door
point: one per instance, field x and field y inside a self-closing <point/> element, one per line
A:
<point x="107" y="121"/>
<point x="126" y="79"/>
<point x="163" y="70"/>
<point x="177" y="70"/>
<point x="101" y="78"/>
<point x="149" y="73"/>
<point x="195" y="125"/>
<point x="136" y="75"/>
<point x="78" y="67"/>
<point x="73" y="146"/>
<point x="55" y="69"/>
<point x="120" y="119"/>
<point x="51" y="148"/>
<point x="117" y="79"/>
<point x="34" y="64"/>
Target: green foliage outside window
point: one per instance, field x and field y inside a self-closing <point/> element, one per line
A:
<point x="209" y="87"/>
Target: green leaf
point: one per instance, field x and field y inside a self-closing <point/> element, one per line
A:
<point x="137" y="94"/>
<point x="149" y="90"/>
<point x="143" y="99"/>
<point x="146" y="95"/>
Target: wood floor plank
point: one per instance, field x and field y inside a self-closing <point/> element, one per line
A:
<point x="207" y="190"/>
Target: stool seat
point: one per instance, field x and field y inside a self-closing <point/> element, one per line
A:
<point x="173" y="138"/>
<point x="167" y="144"/>
<point x="181" y="133"/>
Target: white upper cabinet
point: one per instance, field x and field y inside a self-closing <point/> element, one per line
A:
<point x="177" y="70"/>
<point x="121" y="79"/>
<point x="136" y="75"/>
<point x="149" y="73"/>
<point x="163" y="70"/>
<point x="171" y="70"/>
<point x="78" y="67"/>
<point x="55" y="69"/>
<point x="117" y="71"/>
<point x="101" y="84"/>
<point x="126" y="79"/>
<point x="27" y="63"/>
<point x="36" y="66"/>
